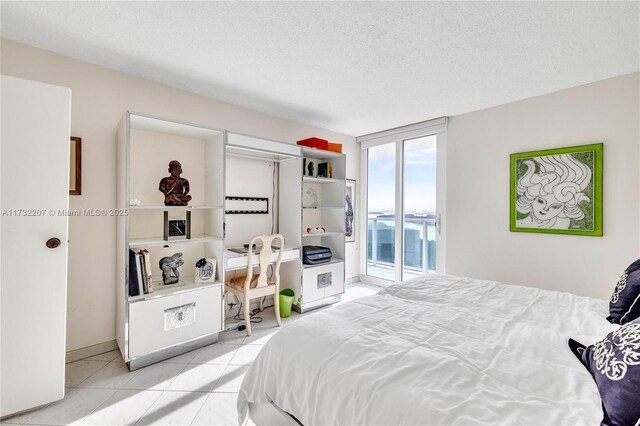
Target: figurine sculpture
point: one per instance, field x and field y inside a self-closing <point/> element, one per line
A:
<point x="310" y="168"/>
<point x="169" y="266"/>
<point x="314" y="195"/>
<point x="175" y="188"/>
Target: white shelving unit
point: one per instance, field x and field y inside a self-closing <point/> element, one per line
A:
<point x="159" y="242"/>
<point x="179" y="317"/>
<point x="316" y="285"/>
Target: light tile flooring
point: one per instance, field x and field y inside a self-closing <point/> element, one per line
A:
<point x="196" y="388"/>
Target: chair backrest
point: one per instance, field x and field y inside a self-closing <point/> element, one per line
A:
<point x="265" y="259"/>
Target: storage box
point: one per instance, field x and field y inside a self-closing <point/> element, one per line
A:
<point x="335" y="147"/>
<point x="315" y="143"/>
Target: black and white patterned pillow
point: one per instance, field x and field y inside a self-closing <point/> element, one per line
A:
<point x="624" y="305"/>
<point x="614" y="363"/>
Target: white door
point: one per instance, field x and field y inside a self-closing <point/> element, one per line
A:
<point x="33" y="278"/>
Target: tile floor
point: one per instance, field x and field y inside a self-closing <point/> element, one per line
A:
<point x="196" y="388"/>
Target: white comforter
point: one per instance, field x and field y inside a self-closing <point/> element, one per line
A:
<point x="435" y="350"/>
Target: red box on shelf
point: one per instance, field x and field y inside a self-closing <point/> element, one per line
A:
<point x="315" y="143"/>
<point x="335" y="147"/>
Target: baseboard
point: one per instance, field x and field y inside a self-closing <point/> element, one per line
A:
<point x="90" y="351"/>
<point x="170" y="352"/>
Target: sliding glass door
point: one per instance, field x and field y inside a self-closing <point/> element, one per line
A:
<point x="381" y="210"/>
<point x="402" y="215"/>
<point x="419" y="182"/>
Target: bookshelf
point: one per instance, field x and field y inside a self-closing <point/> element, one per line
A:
<point x="174" y="318"/>
<point x="317" y="203"/>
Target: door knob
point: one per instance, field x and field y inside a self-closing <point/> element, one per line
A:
<point x="53" y="243"/>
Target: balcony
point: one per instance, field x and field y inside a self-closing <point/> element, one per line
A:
<point x="419" y="246"/>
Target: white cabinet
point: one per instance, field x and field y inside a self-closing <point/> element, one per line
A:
<point x="322" y="281"/>
<point x="35" y="195"/>
<point x="159" y="323"/>
<point x="176" y="317"/>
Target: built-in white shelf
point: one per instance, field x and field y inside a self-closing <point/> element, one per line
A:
<point x="324" y="234"/>
<point x="330" y="215"/>
<point x="323" y="207"/>
<point x="333" y="260"/>
<point x="309" y="179"/>
<point x="257" y="154"/>
<point x="321" y="154"/>
<point x="159" y="241"/>
<point x="161" y="290"/>
<point x="145" y="144"/>
<point x="169" y="208"/>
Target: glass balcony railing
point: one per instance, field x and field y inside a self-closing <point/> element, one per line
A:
<point x="419" y="243"/>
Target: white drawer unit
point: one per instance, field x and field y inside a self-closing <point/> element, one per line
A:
<point x="167" y="321"/>
<point x="322" y="281"/>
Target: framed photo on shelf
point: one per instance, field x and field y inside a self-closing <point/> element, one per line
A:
<point x="557" y="191"/>
<point x="75" y="163"/>
<point x="206" y="270"/>
<point x="350" y="209"/>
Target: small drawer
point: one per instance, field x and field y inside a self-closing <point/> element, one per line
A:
<point x="166" y="321"/>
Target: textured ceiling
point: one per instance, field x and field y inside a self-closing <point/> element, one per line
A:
<point x="352" y="67"/>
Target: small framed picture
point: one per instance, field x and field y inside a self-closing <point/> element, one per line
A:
<point x="349" y="209"/>
<point x="75" y="166"/>
<point x="206" y="270"/>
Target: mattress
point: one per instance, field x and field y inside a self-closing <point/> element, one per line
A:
<point x="435" y="350"/>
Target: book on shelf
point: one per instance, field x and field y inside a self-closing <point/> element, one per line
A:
<point x="147" y="269"/>
<point x="323" y="170"/>
<point x="134" y="283"/>
<point x="143" y="275"/>
<point x="139" y="274"/>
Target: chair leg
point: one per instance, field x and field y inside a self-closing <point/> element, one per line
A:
<point x="247" y="315"/>
<point x="276" y="307"/>
<point x="261" y="304"/>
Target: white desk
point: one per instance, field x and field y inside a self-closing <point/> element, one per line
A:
<point x="233" y="260"/>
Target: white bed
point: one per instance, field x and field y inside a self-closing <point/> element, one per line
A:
<point x="434" y="350"/>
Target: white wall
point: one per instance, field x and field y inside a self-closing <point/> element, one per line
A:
<point x="249" y="178"/>
<point x="479" y="243"/>
<point x="100" y="97"/>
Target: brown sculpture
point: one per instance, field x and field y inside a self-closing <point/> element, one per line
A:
<point x="175" y="188"/>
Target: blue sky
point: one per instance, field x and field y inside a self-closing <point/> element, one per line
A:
<point x="420" y="176"/>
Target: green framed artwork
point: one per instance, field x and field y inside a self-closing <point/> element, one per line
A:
<point x="557" y="191"/>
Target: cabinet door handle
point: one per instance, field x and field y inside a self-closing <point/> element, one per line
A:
<point x="53" y="243"/>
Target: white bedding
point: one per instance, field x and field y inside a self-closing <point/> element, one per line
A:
<point x="435" y="350"/>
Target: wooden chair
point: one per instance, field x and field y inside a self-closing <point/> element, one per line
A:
<point x="254" y="286"/>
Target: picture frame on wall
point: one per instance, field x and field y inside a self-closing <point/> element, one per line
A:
<point x="350" y="209"/>
<point x="75" y="165"/>
<point x="557" y="191"/>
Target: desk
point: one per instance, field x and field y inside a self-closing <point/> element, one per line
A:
<point x="233" y="260"/>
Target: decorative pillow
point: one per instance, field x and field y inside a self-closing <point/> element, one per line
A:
<point x="624" y="305"/>
<point x="614" y="363"/>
